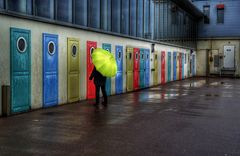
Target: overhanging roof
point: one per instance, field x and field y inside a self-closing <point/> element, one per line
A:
<point x="189" y="7"/>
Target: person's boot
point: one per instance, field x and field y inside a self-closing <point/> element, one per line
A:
<point x="104" y="104"/>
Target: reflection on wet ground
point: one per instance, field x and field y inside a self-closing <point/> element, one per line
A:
<point x="192" y="117"/>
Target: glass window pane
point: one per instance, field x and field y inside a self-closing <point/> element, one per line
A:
<point x="1" y="4"/>
<point x="220" y="15"/>
<point x="64" y="10"/>
<point x="146" y="19"/>
<point x="140" y="19"/>
<point x="22" y="6"/>
<point x="125" y="17"/>
<point x="94" y="14"/>
<point x="44" y="8"/>
<point x="151" y="30"/>
<point x="106" y="15"/>
<point x="116" y="6"/>
<point x="157" y="21"/>
<point x="133" y="17"/>
<point x="81" y="12"/>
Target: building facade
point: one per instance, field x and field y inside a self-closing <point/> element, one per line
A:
<point x="218" y="38"/>
<point x="46" y="47"/>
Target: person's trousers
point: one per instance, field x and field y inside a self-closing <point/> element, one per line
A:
<point x="103" y="92"/>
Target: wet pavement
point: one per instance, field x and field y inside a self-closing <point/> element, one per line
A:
<point x="194" y="117"/>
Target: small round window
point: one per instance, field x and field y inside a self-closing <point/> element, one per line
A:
<point x="91" y="50"/>
<point x="147" y="56"/>
<point x="74" y="50"/>
<point x="21" y="44"/>
<point x="136" y="56"/>
<point x="51" y="48"/>
<point x="119" y="55"/>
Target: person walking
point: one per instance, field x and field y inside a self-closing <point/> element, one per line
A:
<point x="99" y="82"/>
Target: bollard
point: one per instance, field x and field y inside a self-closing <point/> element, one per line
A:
<point x="5" y="100"/>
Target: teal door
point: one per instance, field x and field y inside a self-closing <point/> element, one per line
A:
<point x="142" y="68"/>
<point x="108" y="82"/>
<point x="20" y="80"/>
<point x="169" y="66"/>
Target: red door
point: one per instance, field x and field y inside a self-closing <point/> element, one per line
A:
<point x="163" y="67"/>
<point x="180" y="66"/>
<point x="136" y="53"/>
<point x="90" y="85"/>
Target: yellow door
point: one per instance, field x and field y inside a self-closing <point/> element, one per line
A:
<point x="155" y="74"/>
<point x="129" y="69"/>
<point x="73" y="70"/>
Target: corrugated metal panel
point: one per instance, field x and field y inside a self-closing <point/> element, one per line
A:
<point x="231" y="25"/>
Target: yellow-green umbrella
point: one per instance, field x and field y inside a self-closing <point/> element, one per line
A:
<point x="104" y="62"/>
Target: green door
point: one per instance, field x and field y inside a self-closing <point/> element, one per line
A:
<point x="20" y="70"/>
<point x="73" y="70"/>
<point x="155" y="74"/>
<point x="129" y="69"/>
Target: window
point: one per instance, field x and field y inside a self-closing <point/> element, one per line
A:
<point x="64" y="10"/>
<point x="146" y="19"/>
<point x="94" y="13"/>
<point x="1" y="4"/>
<point x="116" y="7"/>
<point x="174" y="14"/>
<point x="151" y="28"/>
<point x="74" y="50"/>
<point x="51" y="48"/>
<point x="140" y="18"/>
<point x="133" y="17"/>
<point x="157" y="21"/>
<point x="22" y="6"/>
<point x="21" y="44"/>
<point x="106" y="15"/>
<point x="44" y="8"/>
<point x="206" y="12"/>
<point x="125" y="17"/>
<point x="81" y="12"/>
<point x="220" y="15"/>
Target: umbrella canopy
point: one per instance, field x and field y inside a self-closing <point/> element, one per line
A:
<point x="104" y="62"/>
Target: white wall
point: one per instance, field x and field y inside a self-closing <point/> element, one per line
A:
<point x="37" y="28"/>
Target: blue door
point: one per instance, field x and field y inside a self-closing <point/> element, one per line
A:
<point x="183" y="63"/>
<point x="175" y="66"/>
<point x="193" y="65"/>
<point x="169" y="66"/>
<point x="108" y="82"/>
<point x="50" y="70"/>
<point x="20" y="80"/>
<point x="119" y="76"/>
<point x="147" y="67"/>
<point x="142" y="68"/>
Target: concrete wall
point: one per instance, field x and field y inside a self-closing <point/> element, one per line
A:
<point x="215" y="45"/>
<point x="37" y="28"/>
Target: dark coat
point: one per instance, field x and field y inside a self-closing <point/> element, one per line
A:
<point x="99" y="79"/>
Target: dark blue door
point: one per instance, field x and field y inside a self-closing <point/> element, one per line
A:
<point x="119" y="77"/>
<point x="175" y="66"/>
<point x="50" y="70"/>
<point x="20" y="80"/>
<point x="147" y="67"/>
